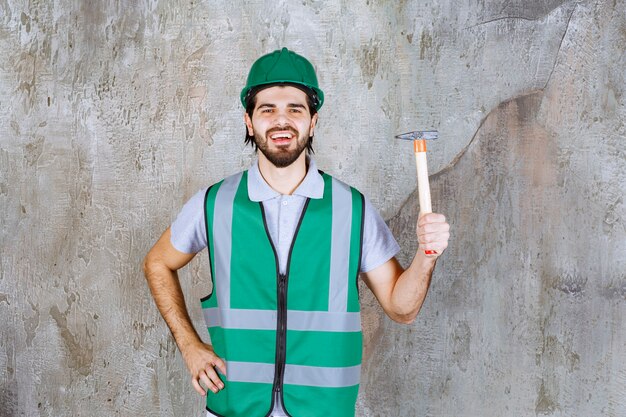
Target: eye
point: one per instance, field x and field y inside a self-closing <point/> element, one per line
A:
<point x="266" y="110"/>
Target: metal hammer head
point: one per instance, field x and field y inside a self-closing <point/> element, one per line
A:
<point x="419" y="134"/>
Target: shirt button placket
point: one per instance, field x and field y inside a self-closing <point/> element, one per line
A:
<point x="282" y="219"/>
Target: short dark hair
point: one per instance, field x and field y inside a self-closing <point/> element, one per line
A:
<point x="311" y="101"/>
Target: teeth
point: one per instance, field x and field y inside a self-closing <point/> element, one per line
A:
<point x="281" y="135"/>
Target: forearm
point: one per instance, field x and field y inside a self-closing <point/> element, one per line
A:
<point x="170" y="301"/>
<point x="411" y="288"/>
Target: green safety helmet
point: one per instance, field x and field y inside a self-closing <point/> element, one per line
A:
<point x="283" y="67"/>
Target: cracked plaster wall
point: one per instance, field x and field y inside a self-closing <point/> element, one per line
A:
<point x="112" y="114"/>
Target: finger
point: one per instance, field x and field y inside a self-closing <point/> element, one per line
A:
<point x="429" y="237"/>
<point x="431" y="218"/>
<point x="221" y="365"/>
<point x="433" y="237"/>
<point x="433" y="228"/>
<point x="207" y="381"/>
<point x="423" y="239"/>
<point x="437" y="247"/>
<point x="197" y="386"/>
<point x="214" y="377"/>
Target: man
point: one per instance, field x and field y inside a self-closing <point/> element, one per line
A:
<point x="286" y="245"/>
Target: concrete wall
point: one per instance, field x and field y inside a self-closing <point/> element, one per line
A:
<point x="113" y="113"/>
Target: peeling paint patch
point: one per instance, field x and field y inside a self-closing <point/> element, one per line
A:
<point x="461" y="341"/>
<point x="25" y="19"/>
<point x="9" y="398"/>
<point x="426" y="42"/>
<point x="572" y="284"/>
<point x="615" y="291"/>
<point x="31" y="324"/>
<point x="34" y="150"/>
<point x="369" y="61"/>
<point x="196" y="56"/>
<point x="80" y="355"/>
<point x="545" y="404"/>
<point x="612" y="216"/>
<point x="141" y="330"/>
<point x="559" y="353"/>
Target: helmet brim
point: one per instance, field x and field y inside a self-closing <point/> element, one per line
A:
<point x="315" y="94"/>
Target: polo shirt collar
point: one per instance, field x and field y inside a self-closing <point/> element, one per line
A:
<point x="259" y="190"/>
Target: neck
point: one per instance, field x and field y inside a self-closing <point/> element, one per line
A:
<point x="283" y="180"/>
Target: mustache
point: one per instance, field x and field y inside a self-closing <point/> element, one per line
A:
<point x="282" y="129"/>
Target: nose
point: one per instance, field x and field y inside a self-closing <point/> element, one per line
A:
<point x="281" y="117"/>
<point x="282" y="120"/>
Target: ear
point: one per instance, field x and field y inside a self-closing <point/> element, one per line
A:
<point x="248" y="122"/>
<point x="313" y="122"/>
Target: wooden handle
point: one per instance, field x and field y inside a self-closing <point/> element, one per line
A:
<point x="423" y="185"/>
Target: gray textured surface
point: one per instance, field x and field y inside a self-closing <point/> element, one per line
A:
<point x="112" y="114"/>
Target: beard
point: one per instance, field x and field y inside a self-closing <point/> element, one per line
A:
<point x="284" y="155"/>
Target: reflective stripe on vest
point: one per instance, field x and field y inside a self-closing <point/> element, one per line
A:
<point x="324" y="321"/>
<point x="314" y="376"/>
<point x="323" y="339"/>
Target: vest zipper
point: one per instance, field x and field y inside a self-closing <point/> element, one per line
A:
<point x="282" y="331"/>
<point x="281" y="327"/>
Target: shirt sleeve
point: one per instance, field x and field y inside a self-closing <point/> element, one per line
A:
<point x="379" y="245"/>
<point x="188" y="231"/>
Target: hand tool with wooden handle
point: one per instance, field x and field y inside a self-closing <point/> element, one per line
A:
<point x="419" y="139"/>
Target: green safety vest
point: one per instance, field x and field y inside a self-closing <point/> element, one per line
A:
<point x="296" y="336"/>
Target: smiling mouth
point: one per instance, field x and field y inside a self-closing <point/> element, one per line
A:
<point x="281" y="137"/>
